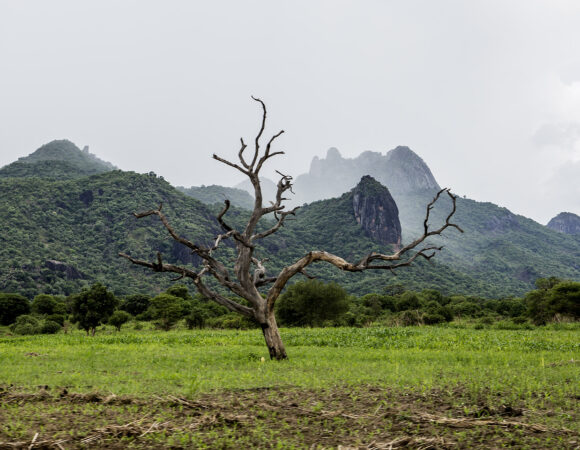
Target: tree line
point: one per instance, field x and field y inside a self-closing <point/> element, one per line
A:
<point x="308" y="303"/>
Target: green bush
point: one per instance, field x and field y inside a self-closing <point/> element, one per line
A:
<point x="312" y="303"/>
<point x="135" y="304"/>
<point x="12" y="306"/>
<point x="196" y="318"/>
<point x="119" y="318"/>
<point x="562" y="298"/>
<point x="44" y="304"/>
<point x="432" y="319"/>
<point x="407" y="301"/>
<point x="58" y="318"/>
<point x="409" y="318"/>
<point x="25" y="325"/>
<point x="166" y="310"/>
<point x="50" y="327"/>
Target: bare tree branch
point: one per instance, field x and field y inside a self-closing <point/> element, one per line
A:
<point x="231" y="164"/>
<point x="240" y="154"/>
<point x="259" y="135"/>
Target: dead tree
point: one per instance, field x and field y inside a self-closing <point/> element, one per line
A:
<point x="249" y="272"/>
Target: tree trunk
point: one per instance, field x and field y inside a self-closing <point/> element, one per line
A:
<point x="273" y="339"/>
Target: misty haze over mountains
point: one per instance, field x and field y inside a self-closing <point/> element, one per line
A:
<point x="68" y="206"/>
<point x="401" y="170"/>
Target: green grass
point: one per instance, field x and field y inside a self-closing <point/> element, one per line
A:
<point x="186" y="362"/>
<point x="340" y="386"/>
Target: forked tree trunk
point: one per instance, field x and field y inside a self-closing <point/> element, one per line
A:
<point x="273" y="338"/>
<point x="250" y="271"/>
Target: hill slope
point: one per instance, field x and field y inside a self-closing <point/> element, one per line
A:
<point x="59" y="236"/>
<point x="217" y="194"/>
<point x="60" y="159"/>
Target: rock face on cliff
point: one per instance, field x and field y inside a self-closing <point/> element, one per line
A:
<point x="565" y="222"/>
<point x="401" y="170"/>
<point x="376" y="211"/>
<point x="71" y="273"/>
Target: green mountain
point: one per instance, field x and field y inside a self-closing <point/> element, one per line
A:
<point x="59" y="234"/>
<point x="503" y="249"/>
<point x="217" y="194"/>
<point x="59" y="159"/>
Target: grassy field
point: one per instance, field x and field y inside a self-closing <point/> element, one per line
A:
<point x="428" y="387"/>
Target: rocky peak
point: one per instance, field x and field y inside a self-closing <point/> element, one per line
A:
<point x="333" y="154"/>
<point x="565" y="222"/>
<point x="407" y="172"/>
<point x="376" y="211"/>
<point x="401" y="170"/>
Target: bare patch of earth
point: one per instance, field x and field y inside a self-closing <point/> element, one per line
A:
<point x="364" y="417"/>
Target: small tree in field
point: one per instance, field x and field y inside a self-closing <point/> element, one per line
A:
<point x="248" y="277"/>
<point x="119" y="318"/>
<point x="93" y="307"/>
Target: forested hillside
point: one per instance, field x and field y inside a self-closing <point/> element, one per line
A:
<point x="61" y="234"/>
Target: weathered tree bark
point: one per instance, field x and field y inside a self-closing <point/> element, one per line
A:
<point x="273" y="338"/>
<point x="250" y="273"/>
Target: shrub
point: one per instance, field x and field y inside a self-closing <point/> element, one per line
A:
<point x="312" y="303"/>
<point x="12" y="306"/>
<point x="562" y="298"/>
<point x="50" y="327"/>
<point x="410" y="318"/>
<point x="119" y="318"/>
<point x="44" y="304"/>
<point x="196" y="318"/>
<point x="26" y="324"/>
<point x="432" y="319"/>
<point x="136" y="304"/>
<point x="58" y="318"/>
<point x="166" y="310"/>
<point x="407" y="301"/>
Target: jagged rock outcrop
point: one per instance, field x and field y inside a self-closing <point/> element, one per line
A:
<point x="401" y="170"/>
<point x="376" y="211"/>
<point x="565" y="222"/>
<point x="58" y="266"/>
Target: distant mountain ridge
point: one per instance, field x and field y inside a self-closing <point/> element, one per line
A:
<point x="401" y="170"/>
<point x="59" y="159"/>
<point x="59" y="234"/>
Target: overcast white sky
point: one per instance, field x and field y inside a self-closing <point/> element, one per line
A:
<point x="486" y="92"/>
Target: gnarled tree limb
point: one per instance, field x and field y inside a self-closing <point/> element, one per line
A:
<point x="250" y="272"/>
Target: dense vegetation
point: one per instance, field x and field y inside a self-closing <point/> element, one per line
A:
<point x="306" y="303"/>
<point x="60" y="235"/>
<point x="217" y="194"/>
<point x="56" y="160"/>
